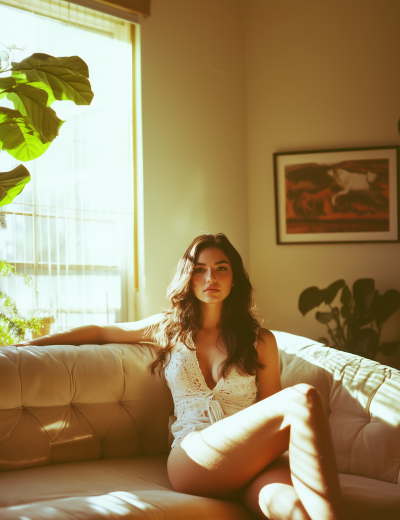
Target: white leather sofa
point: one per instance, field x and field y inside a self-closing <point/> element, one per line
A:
<point x="84" y="433"/>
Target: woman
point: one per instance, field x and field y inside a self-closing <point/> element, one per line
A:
<point x="234" y="421"/>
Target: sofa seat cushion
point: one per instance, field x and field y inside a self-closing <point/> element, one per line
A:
<point x="128" y="488"/>
<point x="369" y="499"/>
<point x="138" y="487"/>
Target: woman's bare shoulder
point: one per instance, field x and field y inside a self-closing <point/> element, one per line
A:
<point x="266" y="341"/>
<point x="268" y="375"/>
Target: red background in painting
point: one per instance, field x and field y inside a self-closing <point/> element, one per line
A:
<point x="309" y="192"/>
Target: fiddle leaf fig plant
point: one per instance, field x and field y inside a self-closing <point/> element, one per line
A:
<point x="356" y="327"/>
<point x="12" y="183"/>
<point x="27" y="131"/>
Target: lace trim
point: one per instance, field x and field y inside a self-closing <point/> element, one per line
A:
<point x="199" y="369"/>
<point x="196" y="405"/>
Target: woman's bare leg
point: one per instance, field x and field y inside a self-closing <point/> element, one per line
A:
<point x="226" y="456"/>
<point x="272" y="494"/>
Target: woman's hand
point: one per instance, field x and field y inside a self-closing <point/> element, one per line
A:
<point x="76" y="336"/>
<point x="22" y="344"/>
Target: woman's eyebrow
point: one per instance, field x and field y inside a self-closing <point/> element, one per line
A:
<point x="216" y="263"/>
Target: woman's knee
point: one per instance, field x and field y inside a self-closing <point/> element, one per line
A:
<point x="303" y="403"/>
<point x="306" y="395"/>
<point x="281" y="501"/>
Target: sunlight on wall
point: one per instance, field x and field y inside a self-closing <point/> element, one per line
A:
<point x="194" y="126"/>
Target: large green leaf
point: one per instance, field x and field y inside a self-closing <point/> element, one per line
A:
<point x="357" y="321"/>
<point x="364" y="293"/>
<point x="345" y="297"/>
<point x="385" y="305"/>
<point x="12" y="183"/>
<point x="329" y="294"/>
<point x="32" y="102"/>
<point x="5" y="84"/>
<point x="61" y="78"/>
<point x="8" y="114"/>
<point x="313" y="297"/>
<point x="345" y="311"/>
<point x="18" y="137"/>
<point x="309" y="299"/>
<point x="74" y="63"/>
<point x="364" y="342"/>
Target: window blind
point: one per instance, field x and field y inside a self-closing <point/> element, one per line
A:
<point x="124" y="9"/>
<point x="73" y="14"/>
<point x="121" y="8"/>
<point x="72" y="228"/>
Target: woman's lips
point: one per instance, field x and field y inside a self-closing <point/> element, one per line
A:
<point x="212" y="289"/>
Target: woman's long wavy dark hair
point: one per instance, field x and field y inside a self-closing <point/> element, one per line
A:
<point x="239" y="322"/>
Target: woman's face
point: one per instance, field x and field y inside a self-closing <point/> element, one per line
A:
<point x="212" y="277"/>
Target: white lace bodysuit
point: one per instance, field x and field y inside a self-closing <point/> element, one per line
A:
<point x="196" y="406"/>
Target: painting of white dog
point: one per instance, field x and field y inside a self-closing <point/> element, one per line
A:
<point x="347" y="196"/>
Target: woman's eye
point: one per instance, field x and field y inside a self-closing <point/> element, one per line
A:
<point x="200" y="269"/>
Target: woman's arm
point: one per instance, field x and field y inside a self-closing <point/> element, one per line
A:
<point x="75" y="336"/>
<point x="269" y="378"/>
<point x="131" y="332"/>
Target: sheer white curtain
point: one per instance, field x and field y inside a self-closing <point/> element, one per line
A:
<point x="72" y="228"/>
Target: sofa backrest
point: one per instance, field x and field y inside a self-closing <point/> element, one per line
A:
<point x="66" y="403"/>
<point x="361" y="397"/>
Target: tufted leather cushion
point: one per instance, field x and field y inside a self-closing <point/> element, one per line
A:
<point x="66" y="403"/>
<point x="362" y="398"/>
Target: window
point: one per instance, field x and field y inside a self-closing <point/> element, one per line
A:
<point x="72" y="228"/>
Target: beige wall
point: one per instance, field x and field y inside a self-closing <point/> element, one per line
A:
<point x="279" y="75"/>
<point x="194" y="140"/>
<point x="319" y="75"/>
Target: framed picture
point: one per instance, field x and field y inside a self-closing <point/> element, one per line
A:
<point x="333" y="196"/>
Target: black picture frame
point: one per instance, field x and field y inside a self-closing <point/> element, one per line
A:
<point x="347" y="195"/>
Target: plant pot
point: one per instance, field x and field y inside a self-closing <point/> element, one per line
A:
<point x="45" y="329"/>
